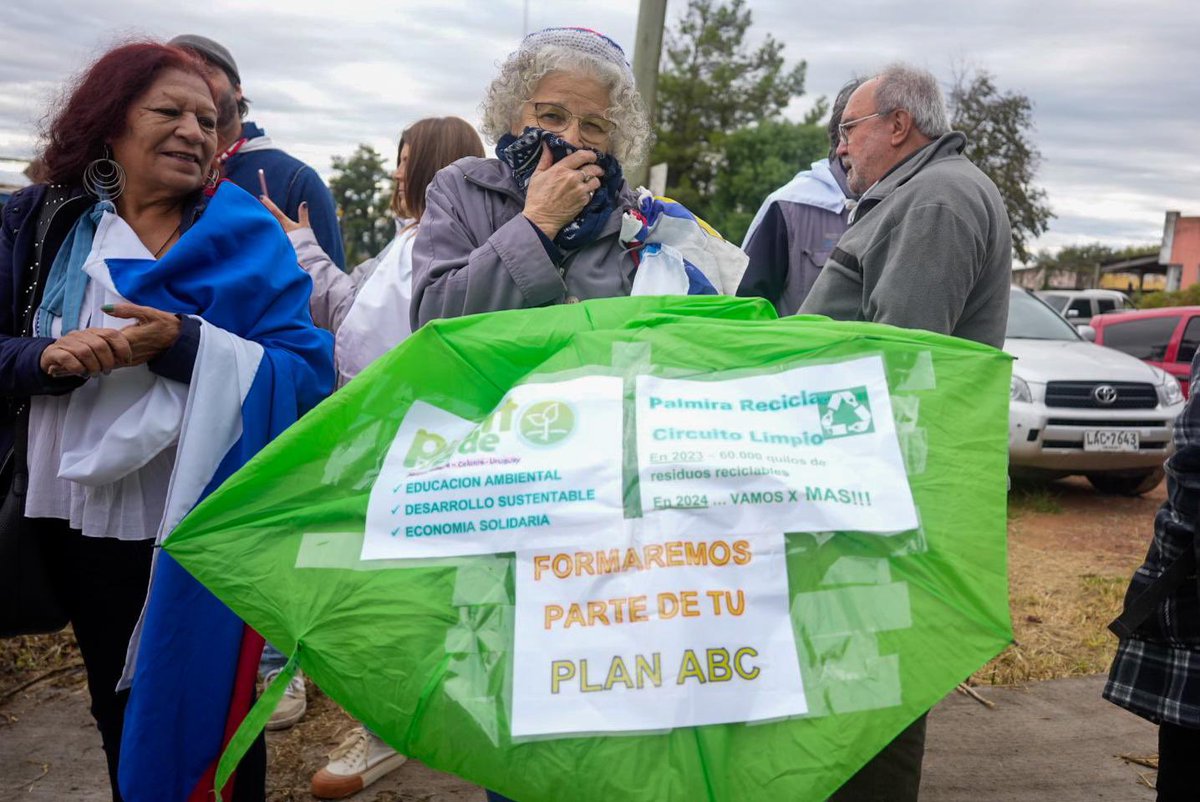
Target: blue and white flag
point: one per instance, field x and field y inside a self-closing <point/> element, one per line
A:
<point x="260" y="364"/>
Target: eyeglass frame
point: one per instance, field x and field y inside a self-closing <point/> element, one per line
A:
<point x="582" y="118"/>
<point x="845" y="128"/>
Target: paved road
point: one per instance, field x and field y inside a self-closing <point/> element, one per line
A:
<point x="1047" y="742"/>
<point x="1055" y="741"/>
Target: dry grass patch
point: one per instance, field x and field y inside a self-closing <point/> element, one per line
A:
<point x="36" y="658"/>
<point x="1059" y="622"/>
<point x="1065" y="585"/>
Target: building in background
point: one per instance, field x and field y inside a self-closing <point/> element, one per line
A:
<point x="1137" y="274"/>
<point x="1181" y="250"/>
<point x="1175" y="266"/>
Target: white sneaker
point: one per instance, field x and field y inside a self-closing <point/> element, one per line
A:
<point x="291" y="706"/>
<point x="358" y="761"/>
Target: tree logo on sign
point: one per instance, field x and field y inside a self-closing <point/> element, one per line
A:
<point x="547" y="423"/>
<point x="845" y="413"/>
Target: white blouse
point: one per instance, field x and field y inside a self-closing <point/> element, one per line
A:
<point x="101" y="456"/>
<point x="378" y="319"/>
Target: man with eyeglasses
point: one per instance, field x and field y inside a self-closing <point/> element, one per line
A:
<point x="928" y="247"/>
<point x="798" y="225"/>
<point x="929" y="244"/>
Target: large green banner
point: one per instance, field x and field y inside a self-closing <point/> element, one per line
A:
<point x="639" y="548"/>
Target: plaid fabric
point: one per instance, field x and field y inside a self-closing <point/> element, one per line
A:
<point x="1157" y="682"/>
<point x="1157" y="674"/>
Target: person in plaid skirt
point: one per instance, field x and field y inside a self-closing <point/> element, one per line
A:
<point x="1156" y="671"/>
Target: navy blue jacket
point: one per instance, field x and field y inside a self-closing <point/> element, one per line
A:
<point x="289" y="182"/>
<point x="20" y="357"/>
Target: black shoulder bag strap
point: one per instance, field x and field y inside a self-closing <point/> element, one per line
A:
<point x="29" y="601"/>
<point x="32" y="298"/>
<point x="1140" y="608"/>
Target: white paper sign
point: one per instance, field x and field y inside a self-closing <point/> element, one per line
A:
<point x="653" y="634"/>
<point x="808" y="449"/>
<point x="544" y="468"/>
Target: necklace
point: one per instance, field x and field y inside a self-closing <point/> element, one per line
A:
<point x="170" y="237"/>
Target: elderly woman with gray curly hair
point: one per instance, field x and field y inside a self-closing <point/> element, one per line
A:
<point x="539" y="224"/>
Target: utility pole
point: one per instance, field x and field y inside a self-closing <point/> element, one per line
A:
<point x="647" y="52"/>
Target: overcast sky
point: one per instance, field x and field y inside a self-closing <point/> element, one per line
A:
<point x="1113" y="84"/>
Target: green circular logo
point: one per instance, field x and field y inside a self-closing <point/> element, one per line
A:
<point x="547" y="423"/>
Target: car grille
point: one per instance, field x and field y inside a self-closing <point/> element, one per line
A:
<point x="1082" y="395"/>
<point x="1077" y="445"/>
<point x="1109" y="423"/>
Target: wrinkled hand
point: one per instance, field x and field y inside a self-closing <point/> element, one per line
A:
<point x="558" y="192"/>
<point x="154" y="332"/>
<point x="289" y="225"/>
<point x="86" y="352"/>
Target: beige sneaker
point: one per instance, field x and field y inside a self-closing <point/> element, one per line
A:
<point x="291" y="706"/>
<point x="358" y="761"/>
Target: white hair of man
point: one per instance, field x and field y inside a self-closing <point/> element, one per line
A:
<point x="521" y="72"/>
<point x="902" y="86"/>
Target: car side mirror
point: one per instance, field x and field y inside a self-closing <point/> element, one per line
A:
<point x="1086" y="332"/>
<point x="1072" y="313"/>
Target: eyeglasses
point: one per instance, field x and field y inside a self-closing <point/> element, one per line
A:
<point x="844" y="128"/>
<point x="554" y="118"/>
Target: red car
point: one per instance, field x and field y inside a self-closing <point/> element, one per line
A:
<point x="1166" y="338"/>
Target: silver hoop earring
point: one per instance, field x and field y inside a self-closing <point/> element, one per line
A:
<point x="213" y="178"/>
<point x="104" y="178"/>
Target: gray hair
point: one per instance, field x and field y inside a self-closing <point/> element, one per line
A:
<point x="521" y="72"/>
<point x="839" y="108"/>
<point x="902" y="86"/>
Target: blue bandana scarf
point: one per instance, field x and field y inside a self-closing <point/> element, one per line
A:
<point x="67" y="283"/>
<point x="522" y="155"/>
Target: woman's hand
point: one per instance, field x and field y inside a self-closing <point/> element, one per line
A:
<point x="289" y="225"/>
<point x="86" y="352"/>
<point x="558" y="192"/>
<point x="154" y="332"/>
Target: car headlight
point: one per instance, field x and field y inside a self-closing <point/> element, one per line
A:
<point x="1169" y="392"/>
<point x="1020" y="390"/>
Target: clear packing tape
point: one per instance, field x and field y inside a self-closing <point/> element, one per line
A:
<point x="879" y="622"/>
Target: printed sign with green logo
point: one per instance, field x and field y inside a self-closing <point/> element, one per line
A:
<point x="731" y="455"/>
<point x="604" y="603"/>
<point x="525" y="474"/>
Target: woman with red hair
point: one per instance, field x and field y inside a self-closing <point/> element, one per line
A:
<point x="131" y="286"/>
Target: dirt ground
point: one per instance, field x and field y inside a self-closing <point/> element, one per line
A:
<point x="1071" y="552"/>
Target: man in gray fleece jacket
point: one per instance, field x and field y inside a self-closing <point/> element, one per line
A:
<point x="929" y="245"/>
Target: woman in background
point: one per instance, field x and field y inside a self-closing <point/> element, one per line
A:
<point x="368" y="309"/>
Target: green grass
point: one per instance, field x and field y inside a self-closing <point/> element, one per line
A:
<point x="1032" y="498"/>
